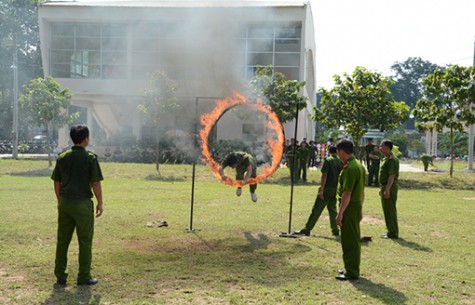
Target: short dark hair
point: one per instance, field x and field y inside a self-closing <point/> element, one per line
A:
<point x="370" y="139"/>
<point x="345" y="145"/>
<point x="230" y="160"/>
<point x="78" y="133"/>
<point x="332" y="149"/>
<point x="387" y="143"/>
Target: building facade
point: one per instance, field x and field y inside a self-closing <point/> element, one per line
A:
<point x="104" y="52"/>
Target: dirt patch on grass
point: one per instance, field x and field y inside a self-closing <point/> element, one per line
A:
<point x="372" y="220"/>
<point x="9" y="278"/>
<point x="468" y="198"/>
<point x="177" y="244"/>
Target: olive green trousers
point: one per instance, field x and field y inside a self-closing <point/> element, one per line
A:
<point x="75" y="214"/>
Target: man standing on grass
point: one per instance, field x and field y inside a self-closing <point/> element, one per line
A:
<point x="326" y="194"/>
<point x="373" y="175"/>
<point x="351" y="194"/>
<point x="388" y="177"/>
<point x="77" y="171"/>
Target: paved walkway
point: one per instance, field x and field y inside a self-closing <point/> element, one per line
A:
<point x="405" y="167"/>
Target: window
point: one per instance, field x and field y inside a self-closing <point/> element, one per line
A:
<point x="278" y="46"/>
<point x="88" y="50"/>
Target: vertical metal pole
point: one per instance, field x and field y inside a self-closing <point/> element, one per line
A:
<point x="15" y="99"/>
<point x="190" y="229"/>
<point x="292" y="182"/>
<point x="471" y="130"/>
<point x="292" y="173"/>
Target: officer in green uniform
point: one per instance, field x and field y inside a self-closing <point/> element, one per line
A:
<point x="291" y="155"/>
<point x="388" y="177"/>
<point x="303" y="156"/>
<point x="326" y="194"/>
<point x="426" y="160"/>
<point x="244" y="163"/>
<point x="75" y="173"/>
<point x="369" y="149"/>
<point x="351" y="195"/>
<point x="375" y="157"/>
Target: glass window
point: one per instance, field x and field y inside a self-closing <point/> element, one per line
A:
<point x="260" y="45"/>
<point x="288" y="32"/>
<point x="290" y="73"/>
<point x="271" y="45"/>
<point x="287" y="45"/>
<point x="109" y="43"/>
<point x="113" y="57"/>
<point x="263" y="59"/>
<point x="88" y="43"/>
<point x="88" y="50"/>
<point x="114" y="30"/>
<point x="260" y="32"/>
<point x="62" y="29"/>
<point x="62" y="43"/>
<point x="287" y="59"/>
<point x="61" y="56"/>
<point x="87" y="30"/>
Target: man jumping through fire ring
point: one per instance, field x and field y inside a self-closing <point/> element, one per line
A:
<point x="243" y="163"/>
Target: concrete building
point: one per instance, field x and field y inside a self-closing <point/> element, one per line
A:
<point x="104" y="51"/>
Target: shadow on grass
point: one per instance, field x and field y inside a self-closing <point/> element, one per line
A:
<point x="411" y="245"/>
<point x="381" y="292"/>
<point x="286" y="181"/>
<point x="416" y="184"/>
<point x="262" y="242"/>
<point x="83" y="295"/>
<point x="233" y="259"/>
<point x="45" y="172"/>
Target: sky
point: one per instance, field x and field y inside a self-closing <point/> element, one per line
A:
<point x="377" y="33"/>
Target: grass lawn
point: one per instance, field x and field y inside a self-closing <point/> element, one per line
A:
<point x="235" y="255"/>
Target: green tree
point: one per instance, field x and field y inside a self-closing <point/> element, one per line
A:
<point x="46" y="104"/>
<point x="400" y="140"/>
<point x="460" y="143"/>
<point x="408" y="86"/>
<point x="159" y="101"/>
<point x="19" y="32"/>
<point x="448" y="102"/>
<point x="282" y="95"/>
<point x="359" y="102"/>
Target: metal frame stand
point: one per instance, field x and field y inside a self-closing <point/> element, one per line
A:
<point x="289" y="233"/>
<point x="190" y="229"/>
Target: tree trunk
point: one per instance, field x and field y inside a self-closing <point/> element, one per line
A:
<point x="48" y="145"/>
<point x="157" y="166"/>
<point x="451" y="151"/>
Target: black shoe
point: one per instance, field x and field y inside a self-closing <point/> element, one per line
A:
<point x="61" y="282"/>
<point x="90" y="282"/>
<point x="302" y="232"/>
<point x="344" y="277"/>
<point x="386" y="236"/>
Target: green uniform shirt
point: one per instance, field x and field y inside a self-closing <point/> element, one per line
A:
<point x="369" y="149"/>
<point x="289" y="151"/>
<point x="352" y="179"/>
<point x="389" y="166"/>
<point x="332" y="167"/>
<point x="376" y="161"/>
<point x="426" y="158"/>
<point x="244" y="160"/>
<point x="76" y="169"/>
<point x="303" y="153"/>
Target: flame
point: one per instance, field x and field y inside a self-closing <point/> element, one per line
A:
<point x="276" y="145"/>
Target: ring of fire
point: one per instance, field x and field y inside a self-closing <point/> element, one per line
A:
<point x="208" y="120"/>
